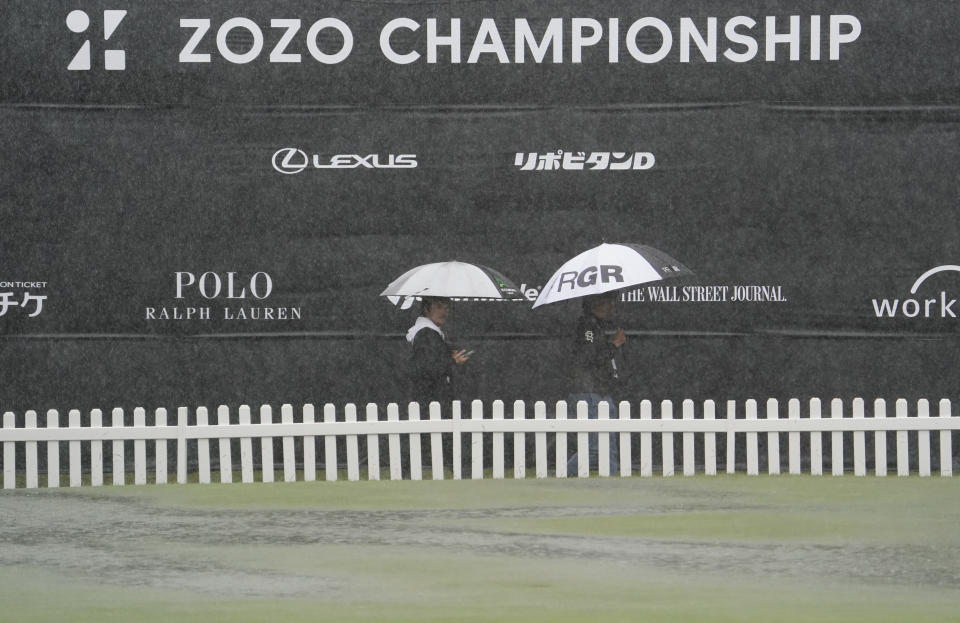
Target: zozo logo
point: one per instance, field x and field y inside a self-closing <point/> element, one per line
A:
<point x="79" y="22"/>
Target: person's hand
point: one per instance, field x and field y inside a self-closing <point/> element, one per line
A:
<point x="460" y="356"/>
<point x="619" y="338"/>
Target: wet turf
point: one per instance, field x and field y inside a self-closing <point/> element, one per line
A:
<point x="707" y="549"/>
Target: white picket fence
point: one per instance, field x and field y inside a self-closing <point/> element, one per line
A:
<point x="697" y="428"/>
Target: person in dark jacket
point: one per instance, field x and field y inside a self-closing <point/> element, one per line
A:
<point x="432" y="359"/>
<point x="597" y="369"/>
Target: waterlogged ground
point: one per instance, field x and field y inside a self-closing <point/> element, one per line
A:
<point x="707" y="549"/>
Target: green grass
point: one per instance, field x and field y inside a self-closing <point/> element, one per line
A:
<point x="826" y="549"/>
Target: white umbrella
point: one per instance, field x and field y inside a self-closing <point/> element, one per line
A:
<point x="453" y="280"/>
<point x="609" y="267"/>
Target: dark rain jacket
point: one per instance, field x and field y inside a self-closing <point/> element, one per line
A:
<point x="597" y="363"/>
<point x="431" y="367"/>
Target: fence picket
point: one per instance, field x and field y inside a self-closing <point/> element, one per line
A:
<point x="373" y="445"/>
<point x="540" y="440"/>
<point x="689" y="456"/>
<point x="226" y="458"/>
<point x="626" y="458"/>
<point x="457" y="441"/>
<point x="603" y="442"/>
<point x="76" y="469"/>
<point x="709" y="441"/>
<point x="266" y="446"/>
<point x="646" y="441"/>
<point x="330" y="445"/>
<point x="476" y="442"/>
<point x="117" y="460"/>
<point x="793" y="413"/>
<point x="203" y="449"/>
<point x="246" y="447"/>
<point x="880" y="439"/>
<point x="816" y="441"/>
<point x="309" y="446"/>
<point x="859" y="442"/>
<point x="666" y="439"/>
<point x="353" y="446"/>
<point x="923" y="439"/>
<point x="497" y="458"/>
<point x="288" y="447"/>
<point x="9" y="454"/>
<point x="53" y="452"/>
<point x="903" y="442"/>
<point x="182" y="413"/>
<point x="583" y="443"/>
<point x="160" y="449"/>
<point x="753" y="461"/>
<point x="836" y="439"/>
<point x="946" y="447"/>
<point x="139" y="449"/>
<point x="393" y="443"/>
<point x="560" y="443"/>
<point x="773" y="438"/>
<point x="731" y="437"/>
<point x="96" y="450"/>
<point x="731" y="418"/>
<point x="30" y="450"/>
<point x="416" y="471"/>
<point x="519" y="443"/>
<point x="436" y="445"/>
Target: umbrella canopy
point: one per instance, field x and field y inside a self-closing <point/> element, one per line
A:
<point x="609" y="267"/>
<point x="454" y="280"/>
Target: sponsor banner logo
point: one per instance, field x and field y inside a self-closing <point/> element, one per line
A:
<point x="924" y="301"/>
<point x="18" y="297"/>
<point x="659" y="293"/>
<point x="561" y="160"/>
<point x="222" y="296"/>
<point x="113" y="59"/>
<point x="287" y="39"/>
<point x="647" y="40"/>
<point x="528" y="292"/>
<point x="291" y="160"/>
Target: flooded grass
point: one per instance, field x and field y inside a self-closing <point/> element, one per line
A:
<point x="728" y="548"/>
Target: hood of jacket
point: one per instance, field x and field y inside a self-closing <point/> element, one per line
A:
<point x="422" y="322"/>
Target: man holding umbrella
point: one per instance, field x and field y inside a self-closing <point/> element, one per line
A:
<point x="597" y="276"/>
<point x="597" y="368"/>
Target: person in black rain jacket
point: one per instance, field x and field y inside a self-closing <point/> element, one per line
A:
<point x="597" y="369"/>
<point x="432" y="359"/>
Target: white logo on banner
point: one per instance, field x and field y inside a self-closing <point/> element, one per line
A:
<point x="113" y="60"/>
<point x="290" y="160"/>
<point x="939" y="306"/>
<point x="229" y="296"/>
<point x="530" y="293"/>
<point x="727" y="293"/>
<point x="29" y="304"/>
<point x="584" y="161"/>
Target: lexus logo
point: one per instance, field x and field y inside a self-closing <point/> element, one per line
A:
<point x="290" y="160"/>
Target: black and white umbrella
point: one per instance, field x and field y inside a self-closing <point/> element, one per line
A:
<point x="609" y="267"/>
<point x="456" y="280"/>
